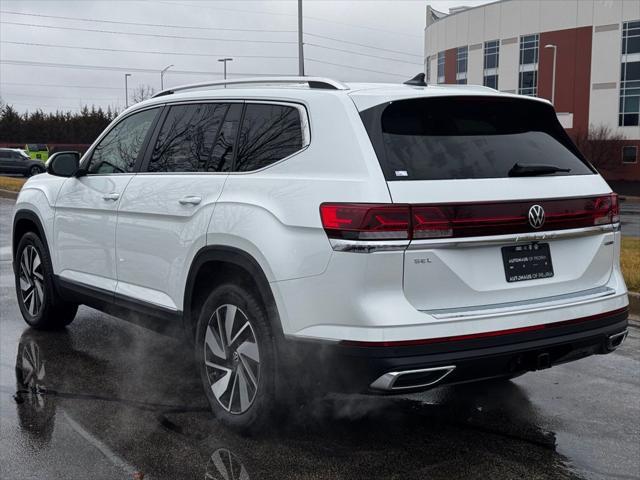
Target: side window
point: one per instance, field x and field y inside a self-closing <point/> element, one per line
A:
<point x="222" y="156"/>
<point x="118" y="151"/>
<point x="269" y="133"/>
<point x="195" y="138"/>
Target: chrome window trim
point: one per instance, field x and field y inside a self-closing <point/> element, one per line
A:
<point x="506" y="308"/>
<point x="367" y="246"/>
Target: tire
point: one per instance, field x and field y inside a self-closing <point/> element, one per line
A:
<point x="39" y="303"/>
<point x="239" y="376"/>
<point x="35" y="170"/>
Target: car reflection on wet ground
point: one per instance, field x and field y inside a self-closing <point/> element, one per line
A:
<point x="109" y="399"/>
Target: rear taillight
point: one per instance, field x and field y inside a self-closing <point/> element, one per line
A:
<point x="430" y="222"/>
<point x="606" y="210"/>
<point x="362" y="221"/>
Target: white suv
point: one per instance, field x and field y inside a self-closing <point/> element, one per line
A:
<point x="361" y="237"/>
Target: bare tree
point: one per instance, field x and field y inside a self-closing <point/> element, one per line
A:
<point x="142" y="92"/>
<point x="601" y="146"/>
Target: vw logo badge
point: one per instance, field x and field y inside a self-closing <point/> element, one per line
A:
<point x="536" y="216"/>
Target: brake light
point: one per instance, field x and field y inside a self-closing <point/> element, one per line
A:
<point x="362" y="221"/>
<point x="606" y="210"/>
<point x="430" y="222"/>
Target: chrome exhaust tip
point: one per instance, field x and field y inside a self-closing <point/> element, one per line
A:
<point x="615" y="340"/>
<point x="409" y="379"/>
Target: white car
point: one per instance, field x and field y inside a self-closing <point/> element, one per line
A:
<point x="357" y="237"/>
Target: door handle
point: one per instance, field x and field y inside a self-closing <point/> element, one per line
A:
<point x="190" y="200"/>
<point x="111" y="196"/>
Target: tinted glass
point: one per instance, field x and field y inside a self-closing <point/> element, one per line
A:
<point x="491" y="81"/>
<point x="221" y="158"/>
<point x="467" y="137"/>
<point x="461" y="60"/>
<point x="187" y="139"/>
<point x="269" y="133"/>
<point x="631" y="37"/>
<point x="629" y="154"/>
<point x="35" y="147"/>
<point x="118" y="151"/>
<point x="529" y="49"/>
<point x="5" y="154"/>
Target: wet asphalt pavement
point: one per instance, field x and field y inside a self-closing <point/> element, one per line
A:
<point x="630" y="218"/>
<point x="115" y="399"/>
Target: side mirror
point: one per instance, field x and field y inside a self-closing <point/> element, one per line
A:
<point x="63" y="164"/>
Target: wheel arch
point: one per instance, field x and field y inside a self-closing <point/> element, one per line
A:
<point x="26" y="221"/>
<point x="210" y="267"/>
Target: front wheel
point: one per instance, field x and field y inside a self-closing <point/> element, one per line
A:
<point x="236" y="356"/>
<point x="39" y="303"/>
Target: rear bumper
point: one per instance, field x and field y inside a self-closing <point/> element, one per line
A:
<point x="354" y="367"/>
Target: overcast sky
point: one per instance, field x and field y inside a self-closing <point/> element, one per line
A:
<point x="351" y="40"/>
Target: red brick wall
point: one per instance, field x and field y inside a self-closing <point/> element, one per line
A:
<point x="573" y="72"/>
<point x="628" y="172"/>
<point x="450" y="57"/>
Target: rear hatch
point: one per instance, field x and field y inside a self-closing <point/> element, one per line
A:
<point x="505" y="212"/>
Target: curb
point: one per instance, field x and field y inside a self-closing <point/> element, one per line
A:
<point x="634" y="303"/>
<point x="8" y="194"/>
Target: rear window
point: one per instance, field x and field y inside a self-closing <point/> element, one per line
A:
<point x="36" y="147"/>
<point x="468" y="137"/>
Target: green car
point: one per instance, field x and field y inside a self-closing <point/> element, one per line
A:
<point x="37" y="151"/>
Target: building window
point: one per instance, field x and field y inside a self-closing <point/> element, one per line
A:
<point x="528" y="77"/>
<point x="461" y="65"/>
<point x="428" y="70"/>
<point x="630" y="154"/>
<point x="440" y="67"/>
<point x="629" y="113"/>
<point x="491" y="63"/>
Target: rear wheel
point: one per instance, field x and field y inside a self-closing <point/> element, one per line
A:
<point x="35" y="170"/>
<point x="236" y="356"/>
<point x="39" y="303"/>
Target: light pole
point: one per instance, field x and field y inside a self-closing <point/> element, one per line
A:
<point x="126" y="90"/>
<point x="162" y="72"/>
<point x="553" y="75"/>
<point x="225" y="60"/>
<point x="300" y="44"/>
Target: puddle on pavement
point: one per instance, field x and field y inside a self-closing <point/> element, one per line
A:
<point x="150" y="410"/>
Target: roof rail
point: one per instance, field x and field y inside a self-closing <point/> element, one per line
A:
<point x="313" y="82"/>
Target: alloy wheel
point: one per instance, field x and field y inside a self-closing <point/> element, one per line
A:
<point x="33" y="373"/>
<point x="224" y="464"/>
<point x="31" y="279"/>
<point x="232" y="358"/>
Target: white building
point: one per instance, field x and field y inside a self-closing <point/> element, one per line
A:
<point x="597" y="65"/>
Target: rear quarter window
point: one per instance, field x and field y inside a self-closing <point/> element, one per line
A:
<point x="269" y="133"/>
<point x="468" y="137"/>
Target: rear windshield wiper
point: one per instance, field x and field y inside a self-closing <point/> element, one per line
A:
<point x="532" y="170"/>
